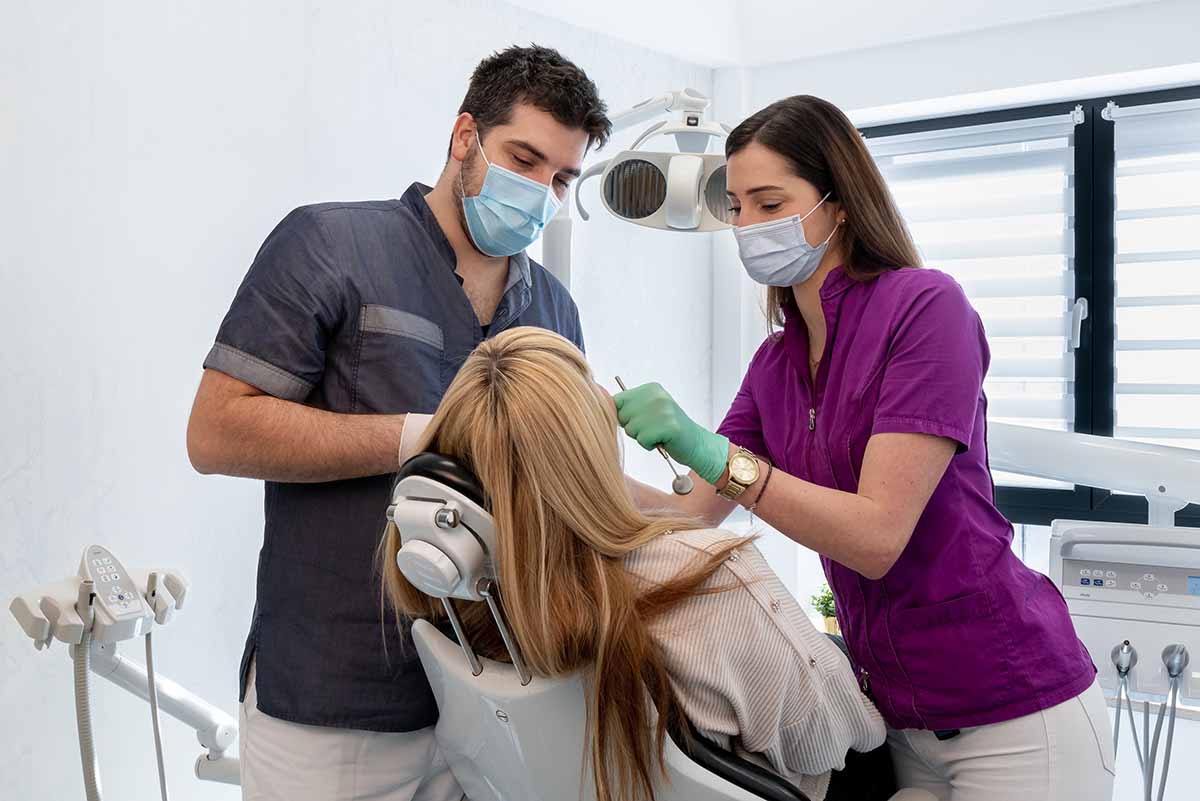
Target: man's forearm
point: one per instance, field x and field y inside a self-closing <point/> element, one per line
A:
<point x="276" y="440"/>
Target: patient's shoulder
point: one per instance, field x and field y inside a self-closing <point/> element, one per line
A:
<point x="676" y="551"/>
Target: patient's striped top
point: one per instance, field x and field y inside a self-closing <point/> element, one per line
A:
<point x="751" y="672"/>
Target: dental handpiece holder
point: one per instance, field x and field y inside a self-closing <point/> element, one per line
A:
<point x="91" y="612"/>
<point x="1133" y="592"/>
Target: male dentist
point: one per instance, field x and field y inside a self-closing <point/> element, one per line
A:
<point x="351" y="317"/>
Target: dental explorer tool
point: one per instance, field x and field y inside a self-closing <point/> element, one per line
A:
<point x="680" y="485"/>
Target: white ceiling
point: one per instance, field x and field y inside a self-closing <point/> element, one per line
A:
<point x="753" y="32"/>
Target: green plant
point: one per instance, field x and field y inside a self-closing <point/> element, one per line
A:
<point x="823" y="602"/>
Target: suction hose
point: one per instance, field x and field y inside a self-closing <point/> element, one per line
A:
<point x="82" y="657"/>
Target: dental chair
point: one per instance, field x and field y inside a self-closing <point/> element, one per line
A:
<point x="507" y="735"/>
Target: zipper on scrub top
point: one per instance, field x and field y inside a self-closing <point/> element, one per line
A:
<point x="812" y="419"/>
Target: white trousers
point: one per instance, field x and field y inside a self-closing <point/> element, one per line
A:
<point x="1059" y="754"/>
<point x="285" y="761"/>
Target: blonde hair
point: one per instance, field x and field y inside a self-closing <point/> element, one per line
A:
<point x="526" y="417"/>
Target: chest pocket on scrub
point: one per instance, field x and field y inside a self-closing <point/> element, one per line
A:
<point x="398" y="367"/>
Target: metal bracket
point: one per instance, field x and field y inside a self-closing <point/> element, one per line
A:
<point x="1107" y="113"/>
<point x="464" y="643"/>
<point x="1078" y="115"/>
<point x="487" y="588"/>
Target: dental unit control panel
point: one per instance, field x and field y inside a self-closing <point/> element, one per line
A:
<point x="1148" y="581"/>
<point x="121" y="612"/>
<point x="1135" y="583"/>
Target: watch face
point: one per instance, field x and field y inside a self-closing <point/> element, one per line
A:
<point x="743" y="469"/>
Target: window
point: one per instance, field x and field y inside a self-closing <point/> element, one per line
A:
<point x="993" y="206"/>
<point x="1157" y="222"/>
<point x="1075" y="230"/>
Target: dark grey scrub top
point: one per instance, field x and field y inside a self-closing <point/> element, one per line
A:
<point x="354" y="308"/>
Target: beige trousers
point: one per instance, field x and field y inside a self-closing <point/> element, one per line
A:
<point x="1059" y="754"/>
<point x="285" y="761"/>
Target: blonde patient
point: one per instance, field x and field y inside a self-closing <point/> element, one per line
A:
<point x="669" y="619"/>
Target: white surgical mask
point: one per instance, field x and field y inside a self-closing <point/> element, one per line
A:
<point x="775" y="253"/>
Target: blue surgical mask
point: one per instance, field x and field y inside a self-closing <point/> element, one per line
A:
<point x="509" y="212"/>
<point x="776" y="253"/>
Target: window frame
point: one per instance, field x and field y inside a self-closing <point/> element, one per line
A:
<point x="1094" y="185"/>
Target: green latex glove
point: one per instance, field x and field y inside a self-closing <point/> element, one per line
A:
<point x="651" y="416"/>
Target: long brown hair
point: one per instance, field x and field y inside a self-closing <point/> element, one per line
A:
<point x="824" y="148"/>
<point x="524" y="415"/>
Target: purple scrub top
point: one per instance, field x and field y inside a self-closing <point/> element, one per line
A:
<point x="959" y="632"/>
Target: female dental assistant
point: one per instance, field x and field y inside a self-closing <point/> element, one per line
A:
<point x="859" y="432"/>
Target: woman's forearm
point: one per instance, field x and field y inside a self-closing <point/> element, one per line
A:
<point x="850" y="529"/>
<point x="840" y="525"/>
<point x="865" y="530"/>
<point x="701" y="503"/>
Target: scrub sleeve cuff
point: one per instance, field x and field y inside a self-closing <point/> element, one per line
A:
<point x="414" y="426"/>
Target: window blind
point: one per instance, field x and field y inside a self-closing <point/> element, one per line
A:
<point x="1157" y="271"/>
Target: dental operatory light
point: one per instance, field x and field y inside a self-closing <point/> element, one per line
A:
<point x="680" y="190"/>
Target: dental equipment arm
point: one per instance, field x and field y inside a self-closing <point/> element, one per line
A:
<point x="1169" y="478"/>
<point x="93" y="611"/>
<point x="682" y="100"/>
<point x="692" y="132"/>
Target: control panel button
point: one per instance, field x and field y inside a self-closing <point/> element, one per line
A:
<point x="1110" y="583"/>
<point x="1087" y="582"/>
<point x="1148" y="577"/>
<point x="1163" y="588"/>
<point x="1149" y="596"/>
<point x="1135" y="585"/>
<point x="1111" y="574"/>
<point x="1085" y="572"/>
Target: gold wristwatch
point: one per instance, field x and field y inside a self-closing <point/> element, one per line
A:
<point x="743" y="472"/>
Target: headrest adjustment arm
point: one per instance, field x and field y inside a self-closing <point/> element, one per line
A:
<point x="472" y="660"/>
<point x="487" y="588"/>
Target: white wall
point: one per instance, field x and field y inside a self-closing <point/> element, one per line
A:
<point x="1115" y="40"/>
<point x="146" y="150"/>
<point x="700" y="31"/>
<point x="773" y="32"/>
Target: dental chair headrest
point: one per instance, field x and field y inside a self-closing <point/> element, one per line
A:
<point x="445" y="471"/>
<point x="447" y="535"/>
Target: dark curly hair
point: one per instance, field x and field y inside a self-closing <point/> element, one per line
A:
<point x="541" y="77"/>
